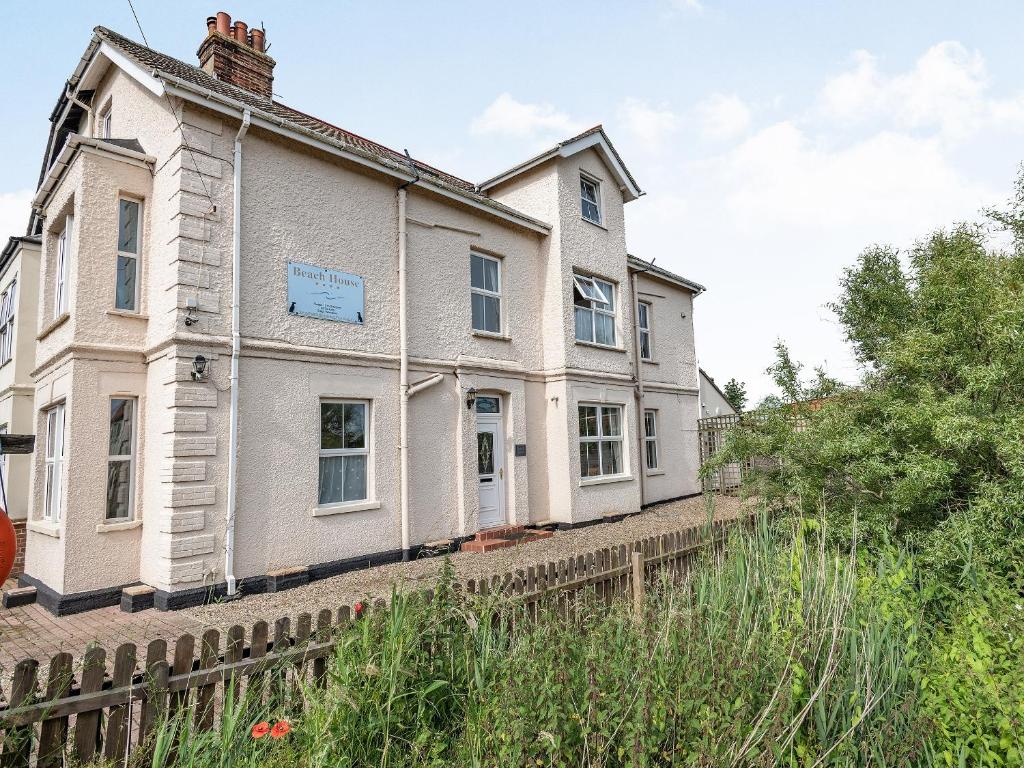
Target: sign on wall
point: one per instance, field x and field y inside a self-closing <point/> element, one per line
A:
<point x="324" y="293"/>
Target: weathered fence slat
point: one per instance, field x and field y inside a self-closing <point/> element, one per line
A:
<point x="119" y="720"/>
<point x="87" y="724"/>
<point x="18" y="744"/>
<point x="53" y="734"/>
<point x="155" y="689"/>
<point x="184" y="656"/>
<point x="208" y="657"/>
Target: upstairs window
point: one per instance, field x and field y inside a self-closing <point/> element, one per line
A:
<point x="344" y="451"/>
<point x="60" y="288"/>
<point x="600" y="440"/>
<point x="590" y="199"/>
<point x="54" y="463"/>
<point x="595" y="310"/>
<point x="121" y="459"/>
<point x="651" y="438"/>
<point x="485" y="289"/>
<point x="643" y="313"/>
<point x="105" y="122"/>
<point x="126" y="294"/>
<point x="7" y="304"/>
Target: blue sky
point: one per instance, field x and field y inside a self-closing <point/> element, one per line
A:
<point x="775" y="140"/>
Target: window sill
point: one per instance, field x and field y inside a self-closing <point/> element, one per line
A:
<point x="120" y="525"/>
<point x="604" y="480"/>
<point x="341" y="509"/>
<point x="126" y="313"/>
<point x="597" y="224"/>
<point x="493" y="336"/>
<point x="595" y="345"/>
<point x="44" y="527"/>
<point x="649" y="361"/>
<point x="654" y="472"/>
<point x="56" y="323"/>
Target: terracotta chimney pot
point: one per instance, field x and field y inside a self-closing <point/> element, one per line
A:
<point x="224" y="23"/>
<point x="211" y="24"/>
<point x="258" y="39"/>
<point x="242" y="32"/>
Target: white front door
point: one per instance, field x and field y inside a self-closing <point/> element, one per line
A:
<point x="490" y="458"/>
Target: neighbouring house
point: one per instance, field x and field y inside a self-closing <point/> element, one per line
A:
<point x="271" y="350"/>
<point x="712" y="401"/>
<point x="19" y="293"/>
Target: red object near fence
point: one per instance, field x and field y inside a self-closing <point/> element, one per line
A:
<point x="8" y="546"/>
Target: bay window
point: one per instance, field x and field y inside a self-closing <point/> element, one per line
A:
<point x="594" y="301"/>
<point x="600" y="440"/>
<point x="344" y="451"/>
<point x="60" y="275"/>
<point x="126" y="293"/>
<point x="121" y="459"/>
<point x="54" y="463"/>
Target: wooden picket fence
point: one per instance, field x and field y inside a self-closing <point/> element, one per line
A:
<point x="104" y="710"/>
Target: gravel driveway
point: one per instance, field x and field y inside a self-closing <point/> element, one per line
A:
<point x="31" y="631"/>
<point x="378" y="582"/>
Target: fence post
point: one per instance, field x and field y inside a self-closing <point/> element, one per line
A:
<point x="638" y="583"/>
<point x="17" y="748"/>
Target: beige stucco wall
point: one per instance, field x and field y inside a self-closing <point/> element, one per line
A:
<point x="711" y="401"/>
<point x="16" y="394"/>
<point x="303" y="205"/>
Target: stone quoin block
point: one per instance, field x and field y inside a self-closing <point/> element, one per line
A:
<point x="184" y="472"/>
<point x="183" y="522"/>
<point x="193" y="446"/>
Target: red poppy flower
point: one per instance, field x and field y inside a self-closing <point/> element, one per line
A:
<point x="358" y="608"/>
<point x="280" y="729"/>
<point x="260" y="730"/>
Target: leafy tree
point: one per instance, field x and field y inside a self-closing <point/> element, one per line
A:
<point x="736" y="394"/>
<point x="929" y="448"/>
<point x="785" y="372"/>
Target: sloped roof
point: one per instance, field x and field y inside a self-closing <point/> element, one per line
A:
<point x="591" y="137"/>
<point x="640" y="265"/>
<point x="162" y="65"/>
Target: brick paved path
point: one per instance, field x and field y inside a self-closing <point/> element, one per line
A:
<point x="32" y="631"/>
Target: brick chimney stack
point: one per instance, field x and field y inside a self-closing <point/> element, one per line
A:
<point x="235" y="55"/>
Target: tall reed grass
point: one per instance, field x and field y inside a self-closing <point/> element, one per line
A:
<point x="773" y="651"/>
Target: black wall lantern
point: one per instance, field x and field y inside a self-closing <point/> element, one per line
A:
<point x="198" y="368"/>
<point x="470" y="397"/>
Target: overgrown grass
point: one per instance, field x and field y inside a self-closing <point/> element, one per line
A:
<point x="777" y="651"/>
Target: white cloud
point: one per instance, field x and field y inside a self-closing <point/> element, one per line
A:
<point x="651" y="125"/>
<point x="946" y="91"/>
<point x="507" y="117"/>
<point x="687" y="5"/>
<point x="723" y="117"/>
<point x="14" y="212"/>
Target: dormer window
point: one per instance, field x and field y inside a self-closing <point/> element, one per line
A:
<point x="590" y="199"/>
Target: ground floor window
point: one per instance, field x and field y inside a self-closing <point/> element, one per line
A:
<point x="121" y="459"/>
<point x="651" y="438"/>
<point x="54" y="462"/>
<point x="344" y="451"/>
<point x="600" y="440"/>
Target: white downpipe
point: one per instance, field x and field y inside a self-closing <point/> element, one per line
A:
<point x="403" y="376"/>
<point x="428" y="382"/>
<point x="236" y="345"/>
<point x="638" y="391"/>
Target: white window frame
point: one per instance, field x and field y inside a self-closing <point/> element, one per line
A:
<point x="104" y="122"/>
<point x="651" y="439"/>
<point x="487" y="293"/>
<point x="136" y="309"/>
<point x="8" y="303"/>
<point x="591" y="291"/>
<point x="331" y="452"/>
<point x="586" y="179"/>
<point x="53" y="464"/>
<point x="60" y="289"/>
<point x="129" y="457"/>
<point x="645" y="329"/>
<point x="600" y="437"/>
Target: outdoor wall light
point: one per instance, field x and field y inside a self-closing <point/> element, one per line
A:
<point x="198" y="368"/>
<point x="470" y="397"/>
